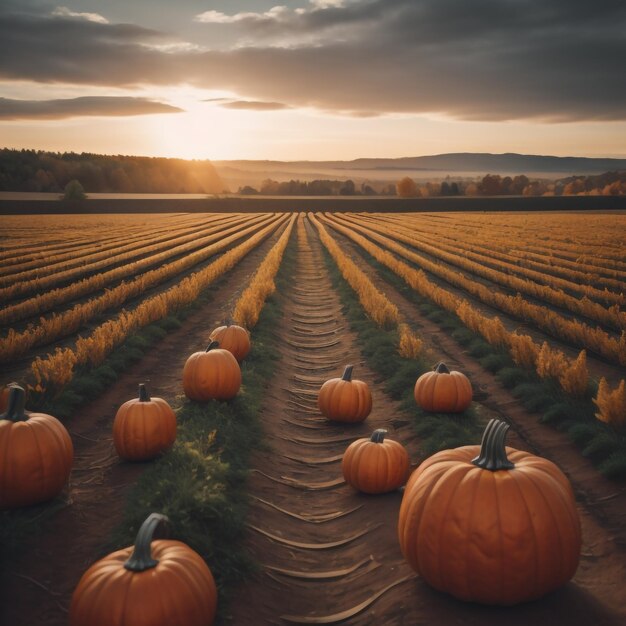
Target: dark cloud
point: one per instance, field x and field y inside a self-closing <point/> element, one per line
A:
<point x="485" y="59"/>
<point x="80" y="107"/>
<point x="254" y="105"/>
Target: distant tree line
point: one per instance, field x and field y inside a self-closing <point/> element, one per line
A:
<point x="35" y="170"/>
<point x="607" y="184"/>
<point x="271" y="187"/>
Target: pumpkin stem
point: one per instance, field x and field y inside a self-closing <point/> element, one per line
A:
<point x="378" y="436"/>
<point x="15" y="408"/>
<point x="347" y="373"/>
<point x="441" y="368"/>
<point x="141" y="558"/>
<point x="492" y="455"/>
<point x="144" y="396"/>
<point x="212" y="346"/>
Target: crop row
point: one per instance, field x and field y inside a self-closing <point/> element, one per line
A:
<point x="490" y="252"/>
<point x="58" y="235"/>
<point x="57" y="297"/>
<point x="126" y="253"/>
<point x="572" y="375"/>
<point x="250" y="304"/>
<point x="571" y="331"/>
<point x="611" y="316"/>
<point x="545" y="242"/>
<point x="56" y="370"/>
<point x="108" y="249"/>
<point x="579" y="234"/>
<point x="376" y="304"/>
<point x="64" y="324"/>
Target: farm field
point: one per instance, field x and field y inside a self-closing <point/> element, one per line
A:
<point x="530" y="307"/>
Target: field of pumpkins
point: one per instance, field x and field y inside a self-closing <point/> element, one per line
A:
<point x="305" y="445"/>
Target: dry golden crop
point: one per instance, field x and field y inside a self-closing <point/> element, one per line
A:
<point x="378" y="307"/>
<point x="56" y="370"/>
<point x="63" y="324"/>
<point x="248" y="308"/>
<point x="611" y="403"/>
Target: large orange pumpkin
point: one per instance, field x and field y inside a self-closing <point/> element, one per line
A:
<point x="375" y="465"/>
<point x="153" y="583"/>
<point x="211" y="375"/>
<point x="144" y="427"/>
<point x="233" y="338"/>
<point x="36" y="454"/>
<point x="443" y="391"/>
<point x="345" y="400"/>
<point x="490" y="524"/>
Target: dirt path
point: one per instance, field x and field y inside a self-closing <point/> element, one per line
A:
<point x="37" y="591"/>
<point x="328" y="554"/>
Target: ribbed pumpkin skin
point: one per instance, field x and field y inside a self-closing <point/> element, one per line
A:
<point x="36" y="458"/>
<point x="500" y="537"/>
<point x="443" y="393"/>
<point x="375" y="467"/>
<point x="180" y="590"/>
<point x="213" y="375"/>
<point x="345" y="401"/>
<point x="233" y="338"/>
<point x="143" y="430"/>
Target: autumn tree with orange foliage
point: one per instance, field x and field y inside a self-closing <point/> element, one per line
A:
<point x="407" y="188"/>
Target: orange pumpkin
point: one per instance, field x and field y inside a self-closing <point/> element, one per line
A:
<point x="144" y="428"/>
<point x="233" y="338"/>
<point x="211" y="375"/>
<point x="443" y="391"/>
<point x="490" y="524"/>
<point x="153" y="583"/>
<point x="36" y="454"/>
<point x="4" y="396"/>
<point x="375" y="465"/>
<point x="345" y="400"/>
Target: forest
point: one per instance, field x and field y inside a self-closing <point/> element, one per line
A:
<point x="39" y="171"/>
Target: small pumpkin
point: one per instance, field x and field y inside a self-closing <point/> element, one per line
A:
<point x="153" y="583"/>
<point x="345" y="400"/>
<point x="375" y="465"/>
<point x="233" y="338"/>
<point x="144" y="427"/>
<point x="443" y="391"/>
<point x="211" y="375"/>
<point x="36" y="454"/>
<point x="4" y="396"/>
<point x="490" y="524"/>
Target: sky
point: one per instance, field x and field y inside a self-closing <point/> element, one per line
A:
<point x="314" y="79"/>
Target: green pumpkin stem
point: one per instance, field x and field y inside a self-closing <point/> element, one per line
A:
<point x="15" y="409"/>
<point x="492" y="455"/>
<point x="212" y="346"/>
<point x="141" y="558"/>
<point x="378" y="436"/>
<point x="144" y="396"/>
<point x="347" y="373"/>
<point x="441" y="368"/>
